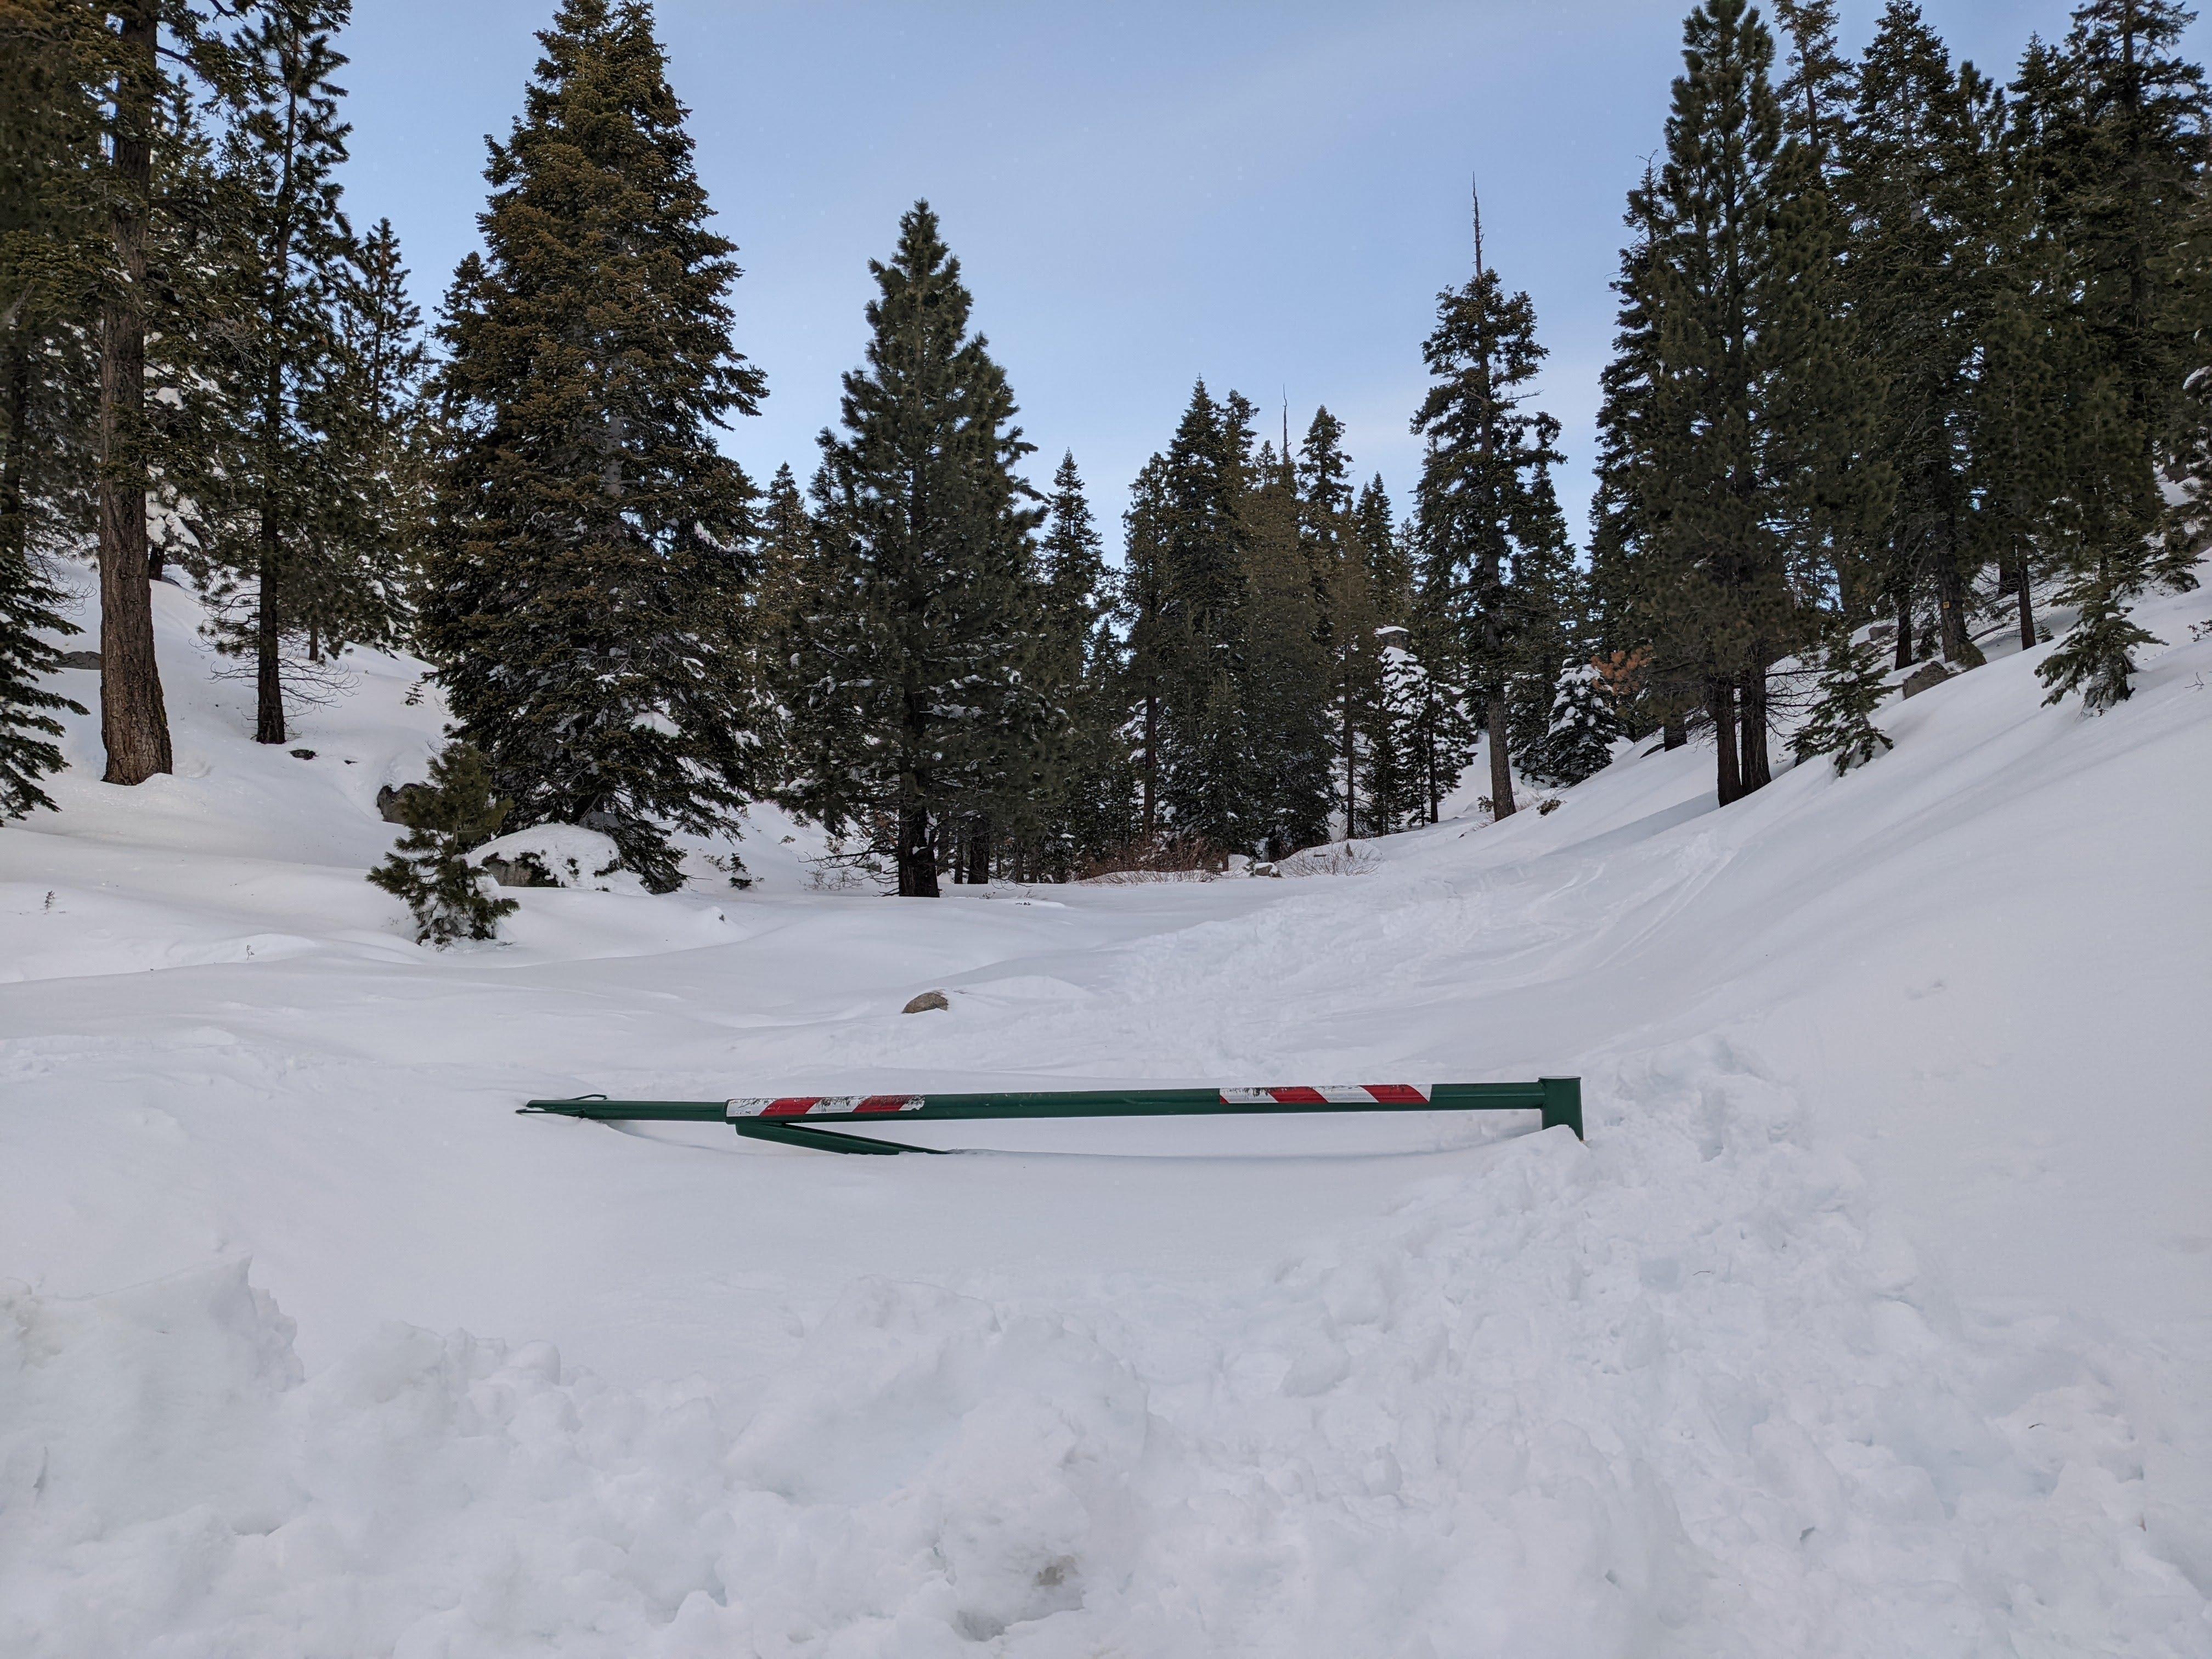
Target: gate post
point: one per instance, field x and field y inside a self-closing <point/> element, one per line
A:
<point x="1563" y="1103"/>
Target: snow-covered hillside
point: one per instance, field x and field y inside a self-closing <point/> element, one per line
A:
<point x="1874" y="1319"/>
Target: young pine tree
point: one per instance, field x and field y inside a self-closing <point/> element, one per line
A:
<point x="926" y="712"/>
<point x="589" y="546"/>
<point x="429" y="867"/>
<point x="1841" y="720"/>
<point x="1583" y="729"/>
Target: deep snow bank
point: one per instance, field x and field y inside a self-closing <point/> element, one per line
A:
<point x="1872" y="1321"/>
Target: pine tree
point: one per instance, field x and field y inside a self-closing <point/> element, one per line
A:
<point x="2097" y="656"/>
<point x="29" y="609"/>
<point x="429" y="869"/>
<point x="134" y="718"/>
<point x="1583" y="729"/>
<point x="50" y="235"/>
<point x="276" y="502"/>
<point x="1716" y="446"/>
<point x="1349" y="609"/>
<point x="1913" y="152"/>
<point x="1387" y="554"/>
<point x="49" y="127"/>
<point x="930" y="712"/>
<point x="1485" y="498"/>
<point x="1631" y="598"/>
<point x="1841" y="722"/>
<point x="1198" y="526"/>
<point x="1276" y="710"/>
<point x="1090" y="790"/>
<point x="1140" y="613"/>
<point x="2030" y="348"/>
<point x="2124" y="132"/>
<point x="388" y="447"/>
<point x="589" y="545"/>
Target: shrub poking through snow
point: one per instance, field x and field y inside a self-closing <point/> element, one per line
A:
<point x="2097" y="656"/>
<point x="1841" y="723"/>
<point x="1584" y="728"/>
<point x="430" y="868"/>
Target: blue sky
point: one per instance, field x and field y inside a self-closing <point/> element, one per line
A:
<point x="1267" y="195"/>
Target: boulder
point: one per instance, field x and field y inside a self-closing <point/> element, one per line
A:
<point x="80" y="660"/>
<point x="389" y="801"/>
<point x="1928" y="674"/>
<point x="928" y="1002"/>
<point x="555" y="855"/>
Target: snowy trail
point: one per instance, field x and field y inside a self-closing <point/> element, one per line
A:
<point x="1875" y="1318"/>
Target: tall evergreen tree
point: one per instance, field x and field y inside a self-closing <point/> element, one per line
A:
<point x="50" y="66"/>
<point x="1720" y="447"/>
<point x="1198" y="524"/>
<point x="1485" y="498"/>
<point x="1089" y="803"/>
<point x="589" y="544"/>
<point x="277" y="501"/>
<point x="1348" y="606"/>
<point x="1912" y="162"/>
<point x="1276" y="694"/>
<point x="930" y="710"/>
<point x="134" y="718"/>
<point x="2125" y="150"/>
<point x="389" y="444"/>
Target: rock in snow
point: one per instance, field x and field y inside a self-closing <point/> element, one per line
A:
<point x="927" y="1002"/>
<point x="1928" y="676"/>
<point x="392" y="803"/>
<point x="556" y="855"/>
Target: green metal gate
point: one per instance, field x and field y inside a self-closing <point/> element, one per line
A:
<point x="798" y="1119"/>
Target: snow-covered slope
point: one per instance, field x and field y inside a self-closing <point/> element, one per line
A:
<point x="1874" y="1319"/>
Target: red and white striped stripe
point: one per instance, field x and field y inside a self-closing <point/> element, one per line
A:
<point x="806" y="1105"/>
<point x="1337" y="1094"/>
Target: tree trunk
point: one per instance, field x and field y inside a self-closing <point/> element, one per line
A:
<point x="917" y="854"/>
<point x="14" y="505"/>
<point x="979" y="850"/>
<point x="2026" y="605"/>
<point x="1501" y="763"/>
<point x="1755" y="771"/>
<point x="1152" y="762"/>
<point x="1904" y="624"/>
<point x="267" y="676"/>
<point x="1350" y="781"/>
<point x="134" y="724"/>
<point x="1720" y="702"/>
<point x="1674" y="732"/>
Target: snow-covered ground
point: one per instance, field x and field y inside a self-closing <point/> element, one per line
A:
<point x="1874" y="1319"/>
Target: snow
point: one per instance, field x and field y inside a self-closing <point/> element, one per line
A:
<point x="1873" y="1320"/>
<point x="566" y="855"/>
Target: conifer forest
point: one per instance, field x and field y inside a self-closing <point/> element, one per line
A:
<point x="1907" y="351"/>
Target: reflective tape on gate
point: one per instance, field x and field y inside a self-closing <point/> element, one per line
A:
<point x="1338" y="1094"/>
<point x="806" y="1105"/>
